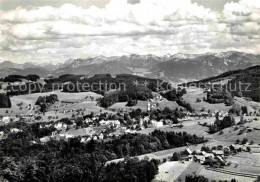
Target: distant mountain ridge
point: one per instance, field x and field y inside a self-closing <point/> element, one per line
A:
<point x="175" y="67"/>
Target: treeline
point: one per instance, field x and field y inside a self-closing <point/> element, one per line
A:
<point x="19" y="78"/>
<point x="184" y="104"/>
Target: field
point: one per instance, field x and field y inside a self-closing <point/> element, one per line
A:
<point x="191" y="127"/>
<point x="194" y="93"/>
<point x="214" y="175"/>
<point x="245" y="162"/>
<point x="67" y="101"/>
<point x="170" y="171"/>
<point x="232" y="134"/>
<point x="143" y="105"/>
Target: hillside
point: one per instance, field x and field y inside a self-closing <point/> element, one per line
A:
<point x="241" y="83"/>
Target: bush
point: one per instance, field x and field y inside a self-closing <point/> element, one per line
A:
<point x="244" y="110"/>
<point x="175" y="156"/>
<point x="198" y="100"/>
<point x="235" y="110"/>
<point x="244" y="141"/>
<point x="132" y="103"/>
<point x="241" y="132"/>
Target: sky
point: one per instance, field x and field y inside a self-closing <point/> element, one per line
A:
<point x="57" y="30"/>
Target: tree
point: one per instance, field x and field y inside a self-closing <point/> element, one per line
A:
<point x="244" y="110"/>
<point x="175" y="156"/>
<point x="5" y="101"/>
<point x="30" y="174"/>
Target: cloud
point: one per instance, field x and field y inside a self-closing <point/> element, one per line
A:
<point x="128" y="26"/>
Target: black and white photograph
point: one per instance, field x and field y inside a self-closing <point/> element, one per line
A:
<point x="129" y="90"/>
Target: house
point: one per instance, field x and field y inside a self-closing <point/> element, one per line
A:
<point x="15" y="130"/>
<point x="83" y="140"/>
<point x="45" y="139"/>
<point x="187" y="158"/>
<point x="210" y="161"/>
<point x="63" y="136"/>
<point x="187" y="152"/>
<point x="87" y="120"/>
<point x="235" y="148"/>
<point x="128" y="131"/>
<point x="207" y="154"/>
<point x="221" y="161"/>
<point x="199" y="158"/>
<point x="197" y="152"/>
<point x="102" y="122"/>
<point x="6" y="119"/>
<point x="101" y="136"/>
<point x="2" y="133"/>
<point x="218" y="152"/>
<point x="60" y="126"/>
<point x="88" y="131"/>
<point x="114" y="123"/>
<point x="157" y="124"/>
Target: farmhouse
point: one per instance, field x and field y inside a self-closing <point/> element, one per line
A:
<point x="218" y="152"/>
<point x="15" y="130"/>
<point x="157" y="124"/>
<point x="199" y="158"/>
<point x="6" y="119"/>
<point x="207" y="154"/>
<point x="187" y="152"/>
<point x="45" y="139"/>
<point x="220" y="160"/>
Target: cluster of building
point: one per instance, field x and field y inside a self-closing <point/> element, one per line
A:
<point x="213" y="158"/>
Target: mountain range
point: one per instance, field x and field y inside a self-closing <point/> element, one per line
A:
<point x="177" y="67"/>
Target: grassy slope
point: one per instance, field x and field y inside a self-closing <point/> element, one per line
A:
<point x="194" y="93"/>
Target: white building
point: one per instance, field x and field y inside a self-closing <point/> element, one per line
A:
<point x="6" y="119"/>
<point x="157" y="124"/>
<point x="101" y="136"/>
<point x="2" y="134"/>
<point x="15" y="130"/>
